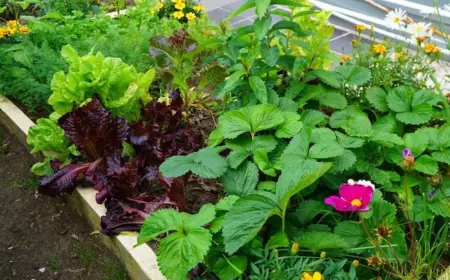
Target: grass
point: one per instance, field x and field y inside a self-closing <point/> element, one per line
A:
<point x="31" y="183"/>
<point x="53" y="262"/>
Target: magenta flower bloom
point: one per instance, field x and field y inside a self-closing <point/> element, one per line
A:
<point x="352" y="198"/>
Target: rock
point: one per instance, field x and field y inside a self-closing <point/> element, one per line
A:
<point x="42" y="270"/>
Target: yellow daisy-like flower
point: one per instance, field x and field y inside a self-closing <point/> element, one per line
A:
<point x="399" y="55"/>
<point x="315" y="276"/>
<point x="24" y="30"/>
<point x="12" y="31"/>
<point x="152" y="11"/>
<point x="199" y="8"/>
<point x="178" y="14"/>
<point x="379" y="49"/>
<point x="180" y="6"/>
<point x="345" y="58"/>
<point x="360" y="27"/>
<point x="160" y="5"/>
<point x="12" y="24"/>
<point x="191" y="16"/>
<point x="4" y="32"/>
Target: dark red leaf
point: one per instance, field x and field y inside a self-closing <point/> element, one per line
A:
<point x="64" y="181"/>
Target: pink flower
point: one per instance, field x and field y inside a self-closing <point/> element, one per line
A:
<point x="352" y="198"/>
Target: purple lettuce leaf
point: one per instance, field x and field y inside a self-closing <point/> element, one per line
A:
<point x="64" y="181"/>
<point x="94" y="131"/>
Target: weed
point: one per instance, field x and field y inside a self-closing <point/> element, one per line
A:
<point x="53" y="262"/>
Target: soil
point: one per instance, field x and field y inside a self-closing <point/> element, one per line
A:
<point x="41" y="237"/>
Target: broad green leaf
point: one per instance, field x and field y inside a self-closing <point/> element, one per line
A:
<point x="388" y="124"/>
<point x="262" y="160"/>
<point x="229" y="268"/>
<point x="317" y="241"/>
<point x="377" y="97"/>
<point x="262" y="26"/>
<point x="232" y="82"/>
<point x="270" y="55"/>
<point x="426" y="164"/>
<point x="290" y="3"/>
<point x="215" y="138"/>
<point x="288" y="25"/>
<point x="241" y="181"/>
<point x="341" y="118"/>
<point x="333" y="100"/>
<point x="287" y="105"/>
<point x="424" y="96"/>
<point x="278" y="240"/>
<point x="259" y="88"/>
<point x="246" y="6"/>
<point x="344" y="162"/>
<point x="245" y="220"/>
<point x="440" y="204"/>
<point x="290" y="127"/>
<point x="443" y="156"/>
<point x="297" y="149"/>
<point x="322" y="134"/>
<point x="326" y="150"/>
<point x="205" y="163"/>
<point x="399" y="99"/>
<point x="359" y="126"/>
<point x="261" y="7"/>
<point x="234" y="123"/>
<point x="42" y="168"/>
<point x="270" y="186"/>
<point x="159" y="222"/>
<point x="204" y="216"/>
<point x="264" y="116"/>
<point x="439" y="139"/>
<point x="417" y="142"/>
<point x="237" y="156"/>
<point x="354" y="75"/>
<point x="311" y="117"/>
<point x="353" y="234"/>
<point x="295" y="87"/>
<point x="331" y="79"/>
<point x="349" y="142"/>
<point x="267" y="142"/>
<point x="306" y="174"/>
<point x="307" y="210"/>
<point x="388" y="139"/>
<point x="420" y="114"/>
<point x="226" y="203"/>
<point x="180" y="252"/>
<point x="382" y="212"/>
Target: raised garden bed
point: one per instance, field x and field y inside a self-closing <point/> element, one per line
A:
<point x="140" y="262"/>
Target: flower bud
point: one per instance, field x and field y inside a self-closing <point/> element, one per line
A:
<point x="275" y="251"/>
<point x="355" y="263"/>
<point x="294" y="248"/>
<point x="323" y="255"/>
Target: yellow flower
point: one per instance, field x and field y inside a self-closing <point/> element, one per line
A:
<point x="199" y="8"/>
<point x="354" y="42"/>
<point x="12" y="31"/>
<point x="430" y="48"/>
<point x="178" y="15"/>
<point x="399" y="55"/>
<point x="190" y="16"/>
<point x="379" y="49"/>
<point x="360" y="27"/>
<point x="315" y="276"/>
<point x="355" y="263"/>
<point x="180" y="6"/>
<point x="13" y="24"/>
<point x="345" y="58"/>
<point x="4" y="32"/>
<point x="24" y="30"/>
<point x="323" y="255"/>
<point x="152" y="11"/>
<point x="160" y="5"/>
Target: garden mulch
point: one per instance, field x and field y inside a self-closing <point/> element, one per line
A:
<point x="42" y="237"/>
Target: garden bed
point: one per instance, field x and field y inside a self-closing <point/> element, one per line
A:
<point x="140" y="262"/>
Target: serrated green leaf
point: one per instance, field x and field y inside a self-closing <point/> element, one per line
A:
<point x="245" y="220"/>
<point x="341" y="118"/>
<point x="359" y="126"/>
<point x="267" y="142"/>
<point x="270" y="186"/>
<point x="234" y="123"/>
<point x="232" y="82"/>
<point x="278" y="240"/>
<point x="388" y="139"/>
<point x="237" y="156"/>
<point x="344" y="162"/>
<point x="180" y="252"/>
<point x="204" y="216"/>
<point x="271" y="56"/>
<point x="290" y="127"/>
<point x="297" y="149"/>
<point x="311" y="117"/>
<point x="259" y="88"/>
<point x="333" y="100"/>
<point x="322" y="134"/>
<point x="287" y="105"/>
<point x="377" y="98"/>
<point x="265" y="116"/>
<point x="388" y="124"/>
<point x="420" y="114"/>
<point x="354" y="75"/>
<point x="353" y="234"/>
<point x="307" y="210"/>
<point x="349" y="142"/>
<point x="215" y="138"/>
<point x="205" y="163"/>
<point x="426" y="164"/>
<point x="159" y="222"/>
<point x="241" y="181"/>
<point x="424" y="96"/>
<point x="443" y="156"/>
<point x="317" y="241"/>
<point x="399" y="99"/>
<point x="417" y="142"/>
<point x="326" y="150"/>
<point x="226" y="203"/>
<point x="229" y="268"/>
<point x="261" y="158"/>
<point x="329" y="78"/>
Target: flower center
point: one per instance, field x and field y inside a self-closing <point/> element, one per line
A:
<point x="396" y="19"/>
<point x="356" y="202"/>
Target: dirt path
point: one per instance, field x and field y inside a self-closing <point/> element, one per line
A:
<point x="41" y="237"/>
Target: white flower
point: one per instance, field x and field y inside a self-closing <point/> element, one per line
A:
<point x="366" y="183"/>
<point x="351" y="182"/>
<point x="395" y="19"/>
<point x="420" y="30"/>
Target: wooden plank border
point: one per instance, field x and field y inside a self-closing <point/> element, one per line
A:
<point x="140" y="262"/>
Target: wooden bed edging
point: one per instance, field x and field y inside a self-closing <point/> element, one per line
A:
<point x="140" y="262"/>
